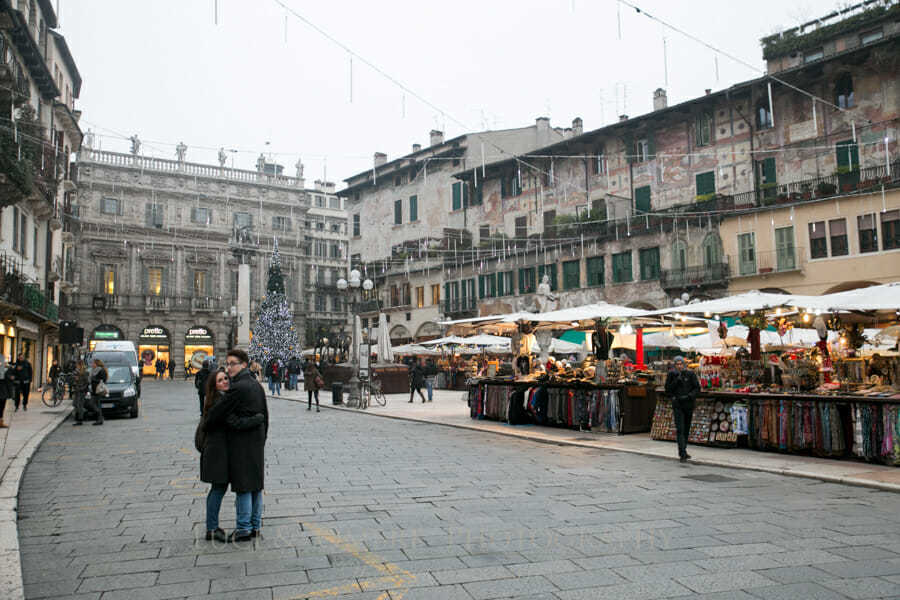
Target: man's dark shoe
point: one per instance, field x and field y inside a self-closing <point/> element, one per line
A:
<point x="239" y="535"/>
<point x="78" y="423"/>
<point x="256" y="534"/>
<point x="25" y="407"/>
<point x="686" y="455"/>
<point x="683" y="459"/>
<point x="217" y="534"/>
<point x="98" y="423"/>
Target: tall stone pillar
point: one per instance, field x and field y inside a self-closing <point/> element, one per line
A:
<point x="243" y="337"/>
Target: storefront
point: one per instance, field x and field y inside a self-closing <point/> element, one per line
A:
<point x="153" y="345"/>
<point x="27" y="344"/>
<point x="8" y="341"/>
<point x="105" y="333"/>
<point x="198" y="345"/>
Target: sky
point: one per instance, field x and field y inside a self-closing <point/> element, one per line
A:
<point x="253" y="77"/>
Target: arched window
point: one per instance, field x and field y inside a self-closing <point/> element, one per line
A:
<point x="711" y="250"/>
<point x="763" y="115"/>
<point x="679" y="256"/>
<point x="843" y="91"/>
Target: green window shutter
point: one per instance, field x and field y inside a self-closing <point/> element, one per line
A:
<point x="413" y="208"/>
<point x="651" y="147"/>
<point x="571" y="275"/>
<point x="649" y="263"/>
<point x="622" y="271"/>
<point x="457" y="196"/>
<point x="465" y="193"/>
<point x="769" y="170"/>
<point x="706" y="183"/>
<point x="481" y="286"/>
<point x="398" y="212"/>
<point x="642" y="199"/>
<point x="847" y="154"/>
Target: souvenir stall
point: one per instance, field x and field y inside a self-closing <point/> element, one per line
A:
<point x="809" y="390"/>
<point x="593" y="392"/>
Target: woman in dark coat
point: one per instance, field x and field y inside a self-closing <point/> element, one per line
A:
<point x="214" y="457"/>
<point x="98" y="374"/>
<point x="310" y="373"/>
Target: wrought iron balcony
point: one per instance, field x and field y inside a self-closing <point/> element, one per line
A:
<point x="460" y="307"/>
<point x="694" y="277"/>
<point x="28" y="298"/>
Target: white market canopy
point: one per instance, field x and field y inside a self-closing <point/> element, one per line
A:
<point x="587" y="312"/>
<point x="414" y="350"/>
<point x="450" y="339"/>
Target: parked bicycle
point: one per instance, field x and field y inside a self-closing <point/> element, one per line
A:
<point x="54" y="392"/>
<point x="370" y="391"/>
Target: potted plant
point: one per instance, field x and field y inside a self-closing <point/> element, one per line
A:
<point x="825" y="188"/>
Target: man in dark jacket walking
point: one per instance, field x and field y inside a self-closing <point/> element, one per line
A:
<point x="200" y="382"/>
<point x="416" y="380"/>
<point x="23" y="374"/>
<point x="246" y="449"/>
<point x="682" y="387"/>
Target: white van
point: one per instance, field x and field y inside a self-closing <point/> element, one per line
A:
<point x="125" y="347"/>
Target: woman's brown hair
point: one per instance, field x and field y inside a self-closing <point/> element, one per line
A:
<point x="211" y="390"/>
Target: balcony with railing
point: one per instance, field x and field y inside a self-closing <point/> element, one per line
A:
<point x="165" y="165"/>
<point x="460" y="307"/>
<point x="25" y="296"/>
<point x="694" y="277"/>
<point x="752" y="264"/>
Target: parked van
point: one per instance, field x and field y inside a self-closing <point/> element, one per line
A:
<point x="119" y="351"/>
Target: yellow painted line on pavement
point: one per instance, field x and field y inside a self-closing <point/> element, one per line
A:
<point x="393" y="573"/>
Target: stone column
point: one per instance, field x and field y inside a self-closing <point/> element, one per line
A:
<point x="243" y="306"/>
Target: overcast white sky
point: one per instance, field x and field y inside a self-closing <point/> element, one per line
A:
<point x="164" y="70"/>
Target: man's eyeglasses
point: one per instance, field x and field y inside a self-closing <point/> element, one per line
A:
<point x="229" y="363"/>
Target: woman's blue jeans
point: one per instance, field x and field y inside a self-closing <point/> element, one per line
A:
<point x="213" y="504"/>
<point x="248" y="508"/>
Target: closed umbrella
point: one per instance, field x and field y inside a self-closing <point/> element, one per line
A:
<point x="385" y="351"/>
<point x="357" y="340"/>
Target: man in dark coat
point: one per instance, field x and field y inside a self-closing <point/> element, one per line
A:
<point x="246" y="449"/>
<point x="416" y="380"/>
<point x="682" y="387"/>
<point x="23" y="374"/>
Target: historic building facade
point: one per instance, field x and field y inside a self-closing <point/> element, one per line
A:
<point x="159" y="242"/>
<point x="39" y="83"/>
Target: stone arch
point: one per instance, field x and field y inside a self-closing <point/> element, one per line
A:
<point x="711" y="249"/>
<point x="849" y="285"/>
<point x="428" y="330"/>
<point x="399" y="334"/>
<point x="679" y="254"/>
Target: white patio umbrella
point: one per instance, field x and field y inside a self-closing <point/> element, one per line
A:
<point x="486" y="340"/>
<point x="450" y="339"/>
<point x="385" y="352"/>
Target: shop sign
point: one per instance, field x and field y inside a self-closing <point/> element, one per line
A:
<point x="198" y="334"/>
<point x="106" y="335"/>
<point x="154" y="332"/>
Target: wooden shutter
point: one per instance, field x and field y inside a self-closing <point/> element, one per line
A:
<point x="642" y="199"/>
<point x="706" y="183"/>
<point x="457" y="196"/>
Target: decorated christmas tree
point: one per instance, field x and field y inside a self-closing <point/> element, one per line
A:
<point x="273" y="334"/>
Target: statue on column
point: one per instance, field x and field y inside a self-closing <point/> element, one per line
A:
<point x="180" y="151"/>
<point x="299" y="167"/>
<point x="261" y="162"/>
<point x="135" y="144"/>
<point x="223" y="158"/>
<point x="88" y="141"/>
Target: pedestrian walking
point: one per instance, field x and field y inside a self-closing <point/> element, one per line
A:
<point x="214" y="448"/>
<point x="23" y="375"/>
<point x="430" y="374"/>
<point x="54" y="373"/>
<point x="99" y="377"/>
<point x="312" y="383"/>
<point x="293" y="369"/>
<point x="6" y="388"/>
<point x="171" y="370"/>
<point x="81" y="388"/>
<point x="274" y="373"/>
<point x="245" y="449"/>
<point x="200" y="381"/>
<point x="682" y="387"/>
<point x="416" y="381"/>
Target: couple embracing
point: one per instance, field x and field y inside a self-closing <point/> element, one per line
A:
<point x="231" y="438"/>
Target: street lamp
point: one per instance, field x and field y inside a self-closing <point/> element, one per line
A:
<point x="352" y="286"/>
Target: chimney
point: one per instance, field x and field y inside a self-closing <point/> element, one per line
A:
<point x="577" y="126"/>
<point x="417" y="147"/>
<point x="660" y="100"/>
<point x="380" y="158"/>
<point x="436" y="138"/>
<point x="623" y="118"/>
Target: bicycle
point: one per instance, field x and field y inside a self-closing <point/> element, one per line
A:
<point x="370" y="389"/>
<point x="53" y="393"/>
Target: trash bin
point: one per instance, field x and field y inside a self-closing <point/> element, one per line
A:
<point x="337" y="393"/>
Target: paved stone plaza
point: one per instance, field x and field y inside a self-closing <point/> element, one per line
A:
<point x="363" y="507"/>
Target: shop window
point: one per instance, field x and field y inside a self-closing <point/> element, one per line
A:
<point x="571" y="274"/>
<point x="837" y="230"/>
<point x="526" y="281"/>
<point x="818" y="241"/>
<point x="596" y="272"/>
<point x="621" y="264"/>
<point x="890" y="229"/>
<point x="784" y="249"/>
<point x="747" y="253"/>
<point x="550" y="272"/>
<point x="763" y="115"/>
<point x="505" y="283"/>
<point x="868" y="234"/>
<point x="649" y="258"/>
<point x="704" y="129"/>
<point x="843" y="91"/>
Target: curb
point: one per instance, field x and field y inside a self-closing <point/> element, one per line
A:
<point x="11" y="585"/>
<point x="843" y="480"/>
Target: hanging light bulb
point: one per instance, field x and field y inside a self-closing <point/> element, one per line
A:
<point x="626" y="329"/>
<point x="806" y="317"/>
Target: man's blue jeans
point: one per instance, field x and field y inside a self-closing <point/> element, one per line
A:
<point x="429" y="385"/>
<point x="213" y="504"/>
<point x="274" y="386"/>
<point x="293" y="380"/>
<point x="248" y="507"/>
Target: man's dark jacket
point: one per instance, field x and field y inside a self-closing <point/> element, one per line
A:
<point x="682" y="385"/>
<point x="23" y="371"/>
<point x="246" y="449"/>
<point x="214" y="457"/>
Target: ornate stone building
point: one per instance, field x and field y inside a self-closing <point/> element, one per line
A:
<point x="158" y="244"/>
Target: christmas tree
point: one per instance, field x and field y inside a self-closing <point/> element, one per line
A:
<point x="274" y="335"/>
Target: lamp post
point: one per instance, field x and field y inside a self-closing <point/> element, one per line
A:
<point x="353" y="288"/>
